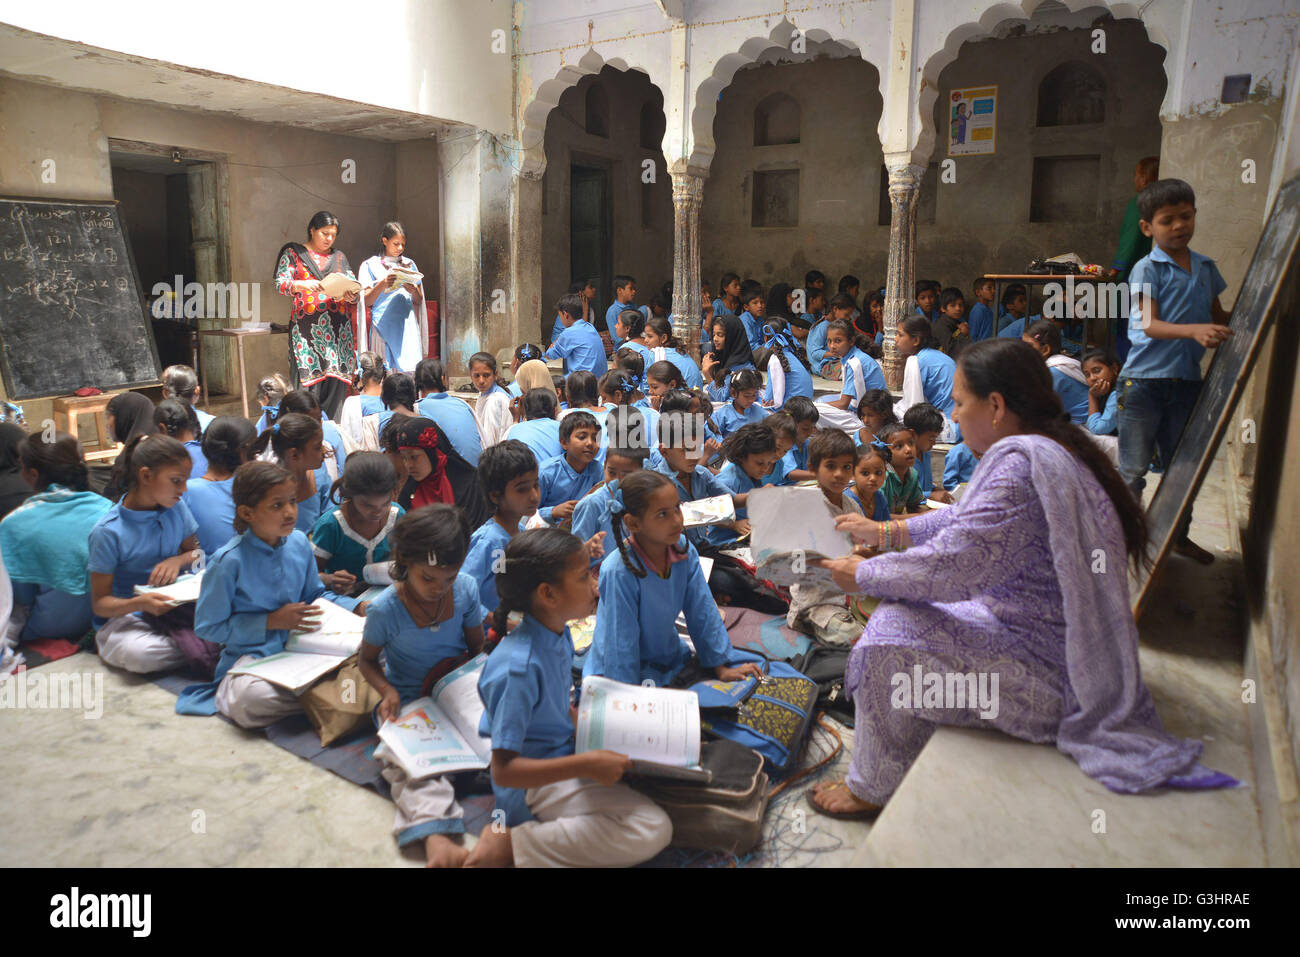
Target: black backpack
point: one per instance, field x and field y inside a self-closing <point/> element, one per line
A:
<point x="826" y="666"/>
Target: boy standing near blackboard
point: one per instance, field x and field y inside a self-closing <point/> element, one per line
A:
<point x="1174" y="317"/>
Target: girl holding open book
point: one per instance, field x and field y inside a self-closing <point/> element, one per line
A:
<point x="392" y="299"/>
<point x="562" y="809"/>
<point x="427" y="623"/>
<point x="257" y="588"/>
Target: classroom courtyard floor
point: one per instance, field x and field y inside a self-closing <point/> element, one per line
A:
<point x="142" y="785"/>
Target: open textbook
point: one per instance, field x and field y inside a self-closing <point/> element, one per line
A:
<point x="336" y="285"/>
<point x="184" y="589"/>
<point x="658" y="728"/>
<point x="792" y="527"/>
<point x="438" y="734"/>
<point x="308" y="655"/>
<point x="708" y="511"/>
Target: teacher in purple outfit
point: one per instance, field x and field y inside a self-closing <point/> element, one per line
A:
<point x="1018" y="594"/>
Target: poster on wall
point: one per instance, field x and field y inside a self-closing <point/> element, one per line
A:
<point x="972" y="121"/>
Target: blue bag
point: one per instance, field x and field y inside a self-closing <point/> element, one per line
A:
<point x="771" y="716"/>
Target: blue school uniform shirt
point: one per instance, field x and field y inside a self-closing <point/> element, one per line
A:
<point x="581" y="347"/>
<point x="879" y="504"/>
<point x="704" y="484"/>
<point x="722" y="393"/>
<point x="205" y="419"/>
<point x="410" y="652"/>
<point x="636" y="637"/>
<point x="1017" y="327"/>
<point x="858" y="365"/>
<point x="645" y="355"/>
<point x="198" y="461"/>
<point x="728" y="420"/>
<point x="455" y="418"/>
<point x="615" y="310"/>
<point x="1106" y="422"/>
<point x="526" y="689"/>
<point x="213" y="509"/>
<point x="937" y="371"/>
<point x="687" y="366"/>
<point x="753" y="329"/>
<point x="798" y="381"/>
<point x="486" y="545"/>
<point x="958" y="466"/>
<point x="243" y="583"/>
<point x="720" y="308"/>
<point x="557" y="327"/>
<point x="735" y="479"/>
<point x="540" y="435"/>
<point x="925" y="473"/>
<point x="1182" y="297"/>
<point x="797" y="458"/>
<point x="560" y="483"/>
<point x="594" y="513"/>
<point x="1073" y="393"/>
<point x="127" y="543"/>
<point x="980" y="322"/>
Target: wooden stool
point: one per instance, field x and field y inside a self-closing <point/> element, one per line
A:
<point x="68" y="408"/>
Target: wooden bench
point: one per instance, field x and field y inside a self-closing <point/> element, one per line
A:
<point x="68" y="408"/>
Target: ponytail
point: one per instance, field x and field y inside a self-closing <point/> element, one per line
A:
<point x="633" y="498"/>
<point x="535" y="557"/>
<point x="150" y="451"/>
<point x="293" y="430"/>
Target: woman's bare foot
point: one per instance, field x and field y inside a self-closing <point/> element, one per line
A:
<point x="834" y="799"/>
<point x="441" y="851"/>
<point x="493" y="849"/>
<point x="1190" y="549"/>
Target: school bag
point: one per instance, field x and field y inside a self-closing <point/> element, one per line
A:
<point x="826" y="666"/>
<point x="771" y="717"/>
<point x="725" y="815"/>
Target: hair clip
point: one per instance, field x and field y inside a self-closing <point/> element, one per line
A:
<point x="275" y="428"/>
<point x="433" y="559"/>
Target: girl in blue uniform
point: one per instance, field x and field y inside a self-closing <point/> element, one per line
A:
<point x="454" y="415"/>
<point x="226" y="445"/>
<point x="664" y="347"/>
<point x="44" y="540"/>
<point x="507" y="473"/>
<point x="148" y="538"/>
<point x="336" y="453"/>
<point x="661" y="378"/>
<point x="927" y="373"/>
<point x="1068" y="379"/>
<point x="563" y="809"/>
<point x="655" y="574"/>
<point x="539" y="430"/>
<point x="743" y="409"/>
<point x="430" y="615"/>
<point x="1101" y="369"/>
<point x="350" y="541"/>
<point x="297" y="442"/>
<point x="257" y="588"/>
<point x="752" y="458"/>
<point x="173" y="417"/>
<point x="787" y="370"/>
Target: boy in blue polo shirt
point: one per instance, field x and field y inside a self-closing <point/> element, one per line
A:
<point x="624" y="298"/>
<point x="1174" y="317"/>
<point x="579" y="345"/>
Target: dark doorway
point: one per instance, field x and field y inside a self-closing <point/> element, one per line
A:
<point x="590" y="233"/>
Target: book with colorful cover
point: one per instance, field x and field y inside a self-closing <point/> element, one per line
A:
<point x="438" y="734"/>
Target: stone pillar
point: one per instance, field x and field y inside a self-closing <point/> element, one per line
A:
<point x="480" y="194"/>
<point x="688" y="195"/>
<point x="900" y="279"/>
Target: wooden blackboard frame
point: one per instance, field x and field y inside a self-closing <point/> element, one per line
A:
<point x="1271" y="287"/>
<point x="113" y="207"/>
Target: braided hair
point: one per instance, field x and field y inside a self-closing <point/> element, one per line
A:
<point x="635" y="492"/>
<point x="535" y="557"/>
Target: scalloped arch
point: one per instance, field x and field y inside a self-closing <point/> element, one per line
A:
<point x="532" y="133"/>
<point x="988" y="21"/>
<point x="703" y="145"/>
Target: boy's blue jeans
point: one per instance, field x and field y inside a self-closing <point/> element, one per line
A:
<point x="1151" y="415"/>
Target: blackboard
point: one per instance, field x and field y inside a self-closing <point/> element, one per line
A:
<point x="71" y="314"/>
<point x="1270" y="291"/>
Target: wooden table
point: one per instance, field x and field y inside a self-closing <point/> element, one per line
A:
<point x="68" y="408"/>
<point x="1029" y="280"/>
<point x="239" y="335"/>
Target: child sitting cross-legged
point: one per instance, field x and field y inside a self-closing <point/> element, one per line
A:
<point x="430" y="615"/>
<point x="818" y="610"/>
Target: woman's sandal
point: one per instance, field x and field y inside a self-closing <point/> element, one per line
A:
<point x="864" y="814"/>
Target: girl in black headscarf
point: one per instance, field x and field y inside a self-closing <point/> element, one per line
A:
<point x="447" y="478"/>
<point x="13" y="490"/>
<point x="730" y="353"/>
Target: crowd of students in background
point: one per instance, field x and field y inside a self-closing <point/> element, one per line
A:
<point x="491" y="524"/>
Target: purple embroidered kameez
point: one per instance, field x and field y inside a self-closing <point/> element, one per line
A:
<point x="1008" y="582"/>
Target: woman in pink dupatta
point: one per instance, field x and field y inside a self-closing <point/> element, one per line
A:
<point x="1024" y="580"/>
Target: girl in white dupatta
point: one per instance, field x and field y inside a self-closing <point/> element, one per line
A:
<point x="390" y="313"/>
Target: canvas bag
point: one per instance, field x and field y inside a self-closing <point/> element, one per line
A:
<point x="340" y="702"/>
<point x="771" y="717"/>
<point x="725" y="815"/>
